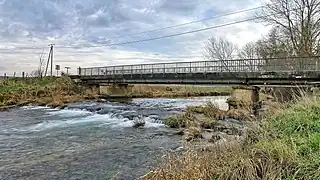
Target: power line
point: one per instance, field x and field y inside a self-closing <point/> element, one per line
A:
<point x="173" y="35"/>
<point x="178" y="34"/>
<point x="187" y="32"/>
<point x="191" y="22"/>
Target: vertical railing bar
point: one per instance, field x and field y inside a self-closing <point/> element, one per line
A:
<point x="152" y="66"/>
<point x="164" y="70"/>
<point x="205" y="67"/>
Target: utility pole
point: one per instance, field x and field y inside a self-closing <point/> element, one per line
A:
<point x="50" y="57"/>
<point x="51" y="49"/>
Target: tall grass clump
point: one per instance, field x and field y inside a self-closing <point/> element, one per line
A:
<point x="283" y="146"/>
<point x="51" y="91"/>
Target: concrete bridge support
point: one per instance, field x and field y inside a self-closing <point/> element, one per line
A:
<point x="250" y="96"/>
<point x="255" y="98"/>
<point x="116" y="90"/>
<point x="246" y="97"/>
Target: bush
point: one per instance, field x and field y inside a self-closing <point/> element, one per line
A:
<point x="175" y="122"/>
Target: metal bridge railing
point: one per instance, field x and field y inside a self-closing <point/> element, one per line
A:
<point x="293" y="64"/>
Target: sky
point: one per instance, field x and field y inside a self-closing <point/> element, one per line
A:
<point x="83" y="30"/>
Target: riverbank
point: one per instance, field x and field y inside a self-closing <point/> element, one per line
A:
<point x="283" y="145"/>
<point x="57" y="92"/>
<point x="175" y="91"/>
<point x="50" y="91"/>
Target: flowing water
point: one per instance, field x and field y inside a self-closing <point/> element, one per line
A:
<point x="89" y="140"/>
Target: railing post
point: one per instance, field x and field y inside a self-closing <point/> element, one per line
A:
<point x="152" y="69"/>
<point x="79" y="71"/>
<point x="122" y="71"/>
<point x="205" y="67"/>
<point x="141" y="68"/>
<point x="164" y="69"/>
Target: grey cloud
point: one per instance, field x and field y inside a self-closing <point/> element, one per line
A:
<point x="183" y="7"/>
<point x="82" y="24"/>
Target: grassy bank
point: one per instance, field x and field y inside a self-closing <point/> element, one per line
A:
<point x="151" y="91"/>
<point x="55" y="92"/>
<point x="46" y="91"/>
<point x="285" y="145"/>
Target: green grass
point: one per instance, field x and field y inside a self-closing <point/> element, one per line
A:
<point x="199" y="116"/>
<point x="283" y="146"/>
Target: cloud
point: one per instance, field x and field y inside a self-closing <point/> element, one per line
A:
<point x="82" y="29"/>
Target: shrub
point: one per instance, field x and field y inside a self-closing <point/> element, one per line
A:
<point x="175" y="122"/>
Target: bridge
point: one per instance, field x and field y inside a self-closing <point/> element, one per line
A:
<point x="253" y="72"/>
<point x="291" y="71"/>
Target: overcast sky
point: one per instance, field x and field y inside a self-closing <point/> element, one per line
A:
<point x="77" y="27"/>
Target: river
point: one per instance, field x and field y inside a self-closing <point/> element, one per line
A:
<point x="89" y="140"/>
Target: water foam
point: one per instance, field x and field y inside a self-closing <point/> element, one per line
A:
<point x="70" y="113"/>
<point x="30" y="107"/>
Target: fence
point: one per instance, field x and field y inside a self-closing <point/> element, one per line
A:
<point x="14" y="75"/>
<point x="292" y="64"/>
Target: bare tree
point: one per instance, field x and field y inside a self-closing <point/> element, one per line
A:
<point x="249" y="51"/>
<point x="273" y="46"/>
<point x="219" y="49"/>
<point x="249" y="54"/>
<point x="298" y="22"/>
<point x="40" y="70"/>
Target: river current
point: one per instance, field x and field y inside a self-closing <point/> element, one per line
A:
<point x="89" y="140"/>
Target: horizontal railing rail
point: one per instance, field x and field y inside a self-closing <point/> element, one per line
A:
<point x="291" y="64"/>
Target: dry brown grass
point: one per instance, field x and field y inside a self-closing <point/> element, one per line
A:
<point x="221" y="163"/>
<point x="178" y="91"/>
<point x="284" y="146"/>
<point x="53" y="92"/>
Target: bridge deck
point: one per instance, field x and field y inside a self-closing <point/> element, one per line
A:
<point x="241" y="71"/>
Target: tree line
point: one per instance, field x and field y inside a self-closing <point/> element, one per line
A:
<point x="295" y="32"/>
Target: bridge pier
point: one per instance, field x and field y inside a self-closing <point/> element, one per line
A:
<point x="255" y="99"/>
<point x="247" y="97"/>
<point x="115" y="90"/>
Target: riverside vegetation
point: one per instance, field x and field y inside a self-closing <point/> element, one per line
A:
<point x="49" y="91"/>
<point x="283" y="144"/>
<point x="57" y="92"/>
